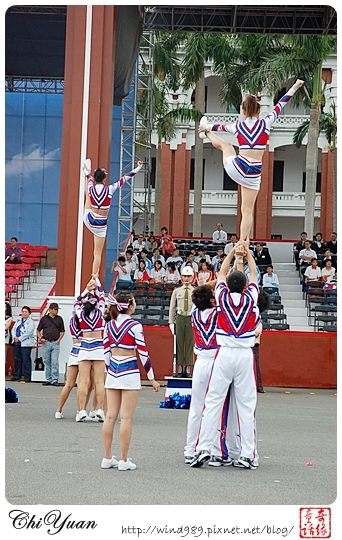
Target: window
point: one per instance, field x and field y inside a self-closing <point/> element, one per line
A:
<point x="192" y="174"/>
<point x="228" y="183"/>
<point x="278" y="176"/>
<point x="318" y="182"/>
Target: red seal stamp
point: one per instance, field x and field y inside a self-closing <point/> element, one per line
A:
<point x="315" y="522"/>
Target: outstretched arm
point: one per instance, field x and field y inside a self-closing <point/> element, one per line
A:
<point x="125" y="178"/>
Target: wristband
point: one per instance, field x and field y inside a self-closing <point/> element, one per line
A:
<point x="239" y="259"/>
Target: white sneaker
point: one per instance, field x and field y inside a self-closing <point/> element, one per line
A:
<point x="87" y="166"/>
<point x="109" y="463"/>
<point x="100" y="416"/>
<point x="203" y="121"/>
<point x="92" y="414"/>
<point x="58" y="415"/>
<point x="82" y="416"/>
<point x="126" y="465"/>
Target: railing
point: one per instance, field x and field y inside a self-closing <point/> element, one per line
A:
<point x="228" y="199"/>
<point x="284" y="122"/>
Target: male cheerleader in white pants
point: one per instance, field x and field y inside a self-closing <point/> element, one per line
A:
<point x="237" y="318"/>
<point x="203" y="320"/>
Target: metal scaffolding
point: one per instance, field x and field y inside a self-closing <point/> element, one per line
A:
<point x="136" y="131"/>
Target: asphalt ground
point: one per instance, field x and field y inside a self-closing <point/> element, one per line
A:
<point x="57" y="462"/>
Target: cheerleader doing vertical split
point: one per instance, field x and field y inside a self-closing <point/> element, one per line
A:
<point x="97" y="205"/>
<point x="252" y="136"/>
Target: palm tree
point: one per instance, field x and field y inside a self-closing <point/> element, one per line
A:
<point x="198" y="49"/>
<point x="328" y="126"/>
<point x="266" y="63"/>
<point x="164" y="116"/>
<point x="302" y="55"/>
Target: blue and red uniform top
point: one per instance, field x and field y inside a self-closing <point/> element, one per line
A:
<point x="126" y="333"/>
<point x="204" y="329"/>
<point x="101" y="196"/>
<point x="237" y="315"/>
<point x="253" y="133"/>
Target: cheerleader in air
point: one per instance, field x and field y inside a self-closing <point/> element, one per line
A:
<point x="97" y="205"/>
<point x="252" y="136"/>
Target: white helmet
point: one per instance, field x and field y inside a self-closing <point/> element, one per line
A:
<point x="187" y="271"/>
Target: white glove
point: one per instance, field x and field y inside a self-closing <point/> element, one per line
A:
<point x="172" y="328"/>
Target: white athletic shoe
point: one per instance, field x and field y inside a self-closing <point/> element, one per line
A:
<point x="82" y="416"/>
<point x="58" y="415"/>
<point x="109" y="463"/>
<point x="87" y="166"/>
<point x="203" y="121"/>
<point x="100" y="415"/>
<point x="126" y="465"/>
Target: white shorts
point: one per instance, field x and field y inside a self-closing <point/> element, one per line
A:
<point x="123" y="373"/>
<point x="244" y="171"/>
<point x="95" y="223"/>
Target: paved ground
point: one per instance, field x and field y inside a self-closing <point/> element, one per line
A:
<point x="53" y="462"/>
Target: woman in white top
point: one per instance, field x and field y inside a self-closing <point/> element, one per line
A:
<point x="23" y="341"/>
<point x="141" y="273"/>
<point x="172" y="274"/>
<point x="328" y="272"/>
<point x="158" y="272"/>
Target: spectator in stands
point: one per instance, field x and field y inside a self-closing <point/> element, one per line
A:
<point x="332" y="244"/>
<point x="158" y="272"/>
<point x="13" y="252"/>
<point x="151" y="243"/>
<point x="215" y="260"/>
<point x="306" y="255"/>
<point x="175" y="258"/>
<point x="9" y="321"/>
<point x="122" y="273"/>
<point x="164" y="234"/>
<point x="139" y="243"/>
<point x="328" y="271"/>
<point x="219" y="236"/>
<point x="298" y="247"/>
<point x="167" y="247"/>
<point x="158" y="257"/>
<point x="312" y="272"/>
<point x="202" y="255"/>
<point x="270" y="279"/>
<point x="190" y="259"/>
<point x="141" y="273"/>
<point x="50" y="332"/>
<point x="171" y="273"/>
<point x="261" y="255"/>
<point x="216" y="272"/>
<point x="233" y="241"/>
<point x="23" y="341"/>
<point x="131" y="264"/>
<point x="318" y="245"/>
<point x="144" y="257"/>
<point x="204" y="274"/>
<point x="329" y="256"/>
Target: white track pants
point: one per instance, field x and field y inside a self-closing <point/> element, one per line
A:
<point x="231" y="364"/>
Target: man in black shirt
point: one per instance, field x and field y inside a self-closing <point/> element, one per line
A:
<point x="50" y="331"/>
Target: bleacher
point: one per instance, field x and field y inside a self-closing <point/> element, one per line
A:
<point x="153" y="302"/>
<point x="18" y="277"/>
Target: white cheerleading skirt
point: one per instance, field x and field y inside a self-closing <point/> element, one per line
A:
<point x="73" y="357"/>
<point x="123" y="373"/>
<point x="91" y="349"/>
<point x="95" y="223"/>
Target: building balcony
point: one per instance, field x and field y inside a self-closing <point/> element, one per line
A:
<point x="284" y="122"/>
<point x="214" y="202"/>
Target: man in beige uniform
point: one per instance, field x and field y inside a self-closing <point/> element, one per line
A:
<point x="180" y="314"/>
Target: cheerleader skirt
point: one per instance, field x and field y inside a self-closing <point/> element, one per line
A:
<point x="123" y="373"/>
<point x="91" y="349"/>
